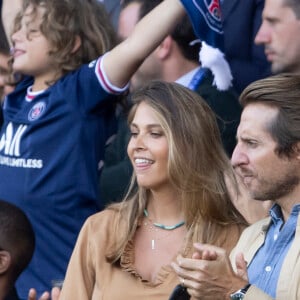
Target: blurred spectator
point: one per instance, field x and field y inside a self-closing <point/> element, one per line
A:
<point x="241" y="21"/>
<point x="279" y="33"/>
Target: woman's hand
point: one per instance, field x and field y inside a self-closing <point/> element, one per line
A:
<point x="208" y="275"/>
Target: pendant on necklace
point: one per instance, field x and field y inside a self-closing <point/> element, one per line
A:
<point x="152" y="245"/>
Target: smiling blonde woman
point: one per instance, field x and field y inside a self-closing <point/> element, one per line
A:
<point x="178" y="196"/>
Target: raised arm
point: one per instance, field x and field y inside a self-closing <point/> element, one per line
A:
<point x="10" y="8"/>
<point x="122" y="61"/>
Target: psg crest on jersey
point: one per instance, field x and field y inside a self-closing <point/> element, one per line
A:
<point x="36" y="111"/>
<point x="211" y="12"/>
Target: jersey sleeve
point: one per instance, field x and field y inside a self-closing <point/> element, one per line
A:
<point x="89" y="88"/>
<point x="104" y="81"/>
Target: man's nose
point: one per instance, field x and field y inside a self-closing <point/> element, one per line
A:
<point x="238" y="157"/>
<point x="263" y="35"/>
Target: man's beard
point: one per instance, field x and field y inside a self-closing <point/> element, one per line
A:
<point x="277" y="189"/>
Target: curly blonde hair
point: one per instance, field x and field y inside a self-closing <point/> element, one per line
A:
<point x="64" y="21"/>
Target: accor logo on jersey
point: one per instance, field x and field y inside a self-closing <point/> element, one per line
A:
<point x="10" y="145"/>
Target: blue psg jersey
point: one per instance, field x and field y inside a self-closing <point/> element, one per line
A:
<point x="50" y="151"/>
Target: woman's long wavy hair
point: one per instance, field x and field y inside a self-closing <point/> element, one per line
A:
<point x="197" y="167"/>
<point x="64" y="21"/>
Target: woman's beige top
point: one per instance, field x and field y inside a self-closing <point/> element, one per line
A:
<point x="91" y="277"/>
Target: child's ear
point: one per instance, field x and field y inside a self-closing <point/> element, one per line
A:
<point x="77" y="44"/>
<point x="5" y="261"/>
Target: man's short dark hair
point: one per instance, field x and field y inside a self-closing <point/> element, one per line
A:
<point x="282" y="92"/>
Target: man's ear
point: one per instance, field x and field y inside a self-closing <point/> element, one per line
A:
<point x="77" y="44"/>
<point x="165" y="47"/>
<point x="5" y="261"/>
